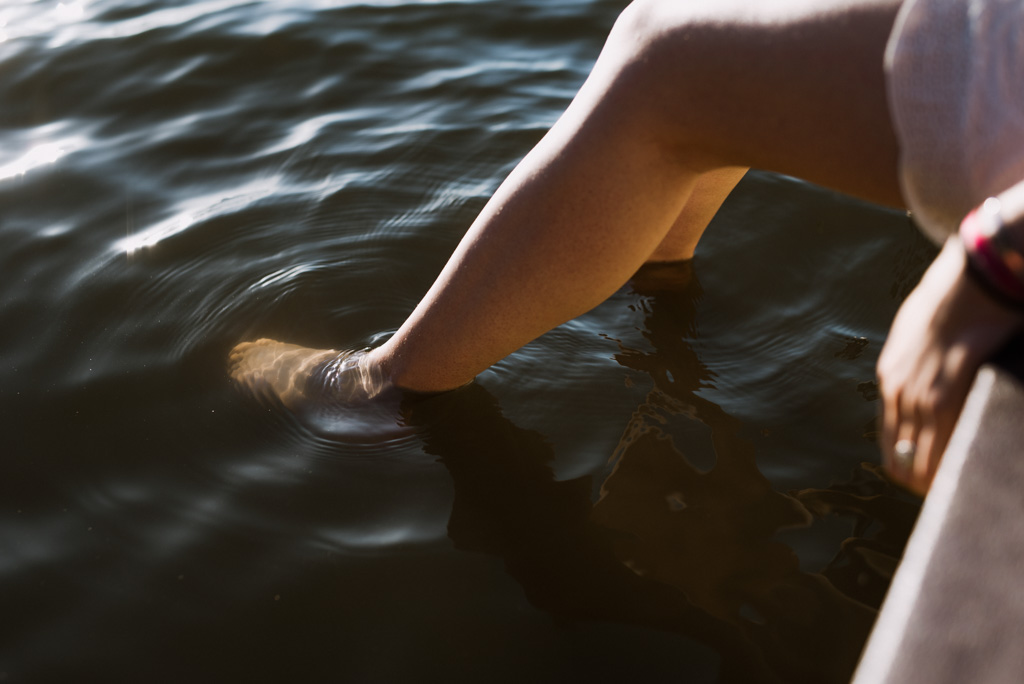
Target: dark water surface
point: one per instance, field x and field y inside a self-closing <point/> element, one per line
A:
<point x="679" y="486"/>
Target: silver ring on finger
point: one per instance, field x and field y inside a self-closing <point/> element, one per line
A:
<point x="904" y="453"/>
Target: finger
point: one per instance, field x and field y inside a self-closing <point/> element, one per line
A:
<point x="926" y="460"/>
<point x="890" y="425"/>
<point x="903" y="444"/>
<point x="936" y="422"/>
<point x="932" y="444"/>
<point x="905" y="456"/>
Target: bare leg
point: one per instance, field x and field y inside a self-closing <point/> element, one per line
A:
<point x="681" y="90"/>
<point x="709" y="192"/>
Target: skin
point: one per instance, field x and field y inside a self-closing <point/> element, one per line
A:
<point x="943" y="332"/>
<point x="598" y="195"/>
<point x="684" y="97"/>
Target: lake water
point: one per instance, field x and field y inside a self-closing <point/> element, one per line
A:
<point x="681" y="485"/>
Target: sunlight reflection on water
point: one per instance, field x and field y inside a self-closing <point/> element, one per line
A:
<point x="41" y="154"/>
<point x="179" y="176"/>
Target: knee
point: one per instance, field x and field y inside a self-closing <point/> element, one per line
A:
<point x="673" y="44"/>
<point x="637" y="18"/>
<point x="663" y="55"/>
<point x="647" y="24"/>
<point x="641" y="26"/>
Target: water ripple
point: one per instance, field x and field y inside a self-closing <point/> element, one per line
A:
<point x="177" y="177"/>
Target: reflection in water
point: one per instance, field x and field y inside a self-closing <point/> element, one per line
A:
<point x="302" y="169"/>
<point x="195" y="210"/>
<point x="669" y="545"/>
<point x="40" y="155"/>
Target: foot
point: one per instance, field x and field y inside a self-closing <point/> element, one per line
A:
<point x="303" y="378"/>
<point x="338" y="395"/>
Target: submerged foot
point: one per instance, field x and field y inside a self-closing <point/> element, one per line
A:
<point x="303" y="378"/>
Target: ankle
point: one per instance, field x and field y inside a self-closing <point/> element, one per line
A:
<point x="403" y="372"/>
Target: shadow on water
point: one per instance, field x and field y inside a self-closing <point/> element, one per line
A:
<point x="669" y="545"/>
<point x="159" y="519"/>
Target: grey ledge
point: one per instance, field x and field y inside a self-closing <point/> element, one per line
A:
<point x="955" y="609"/>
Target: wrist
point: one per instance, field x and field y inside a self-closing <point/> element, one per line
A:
<point x="970" y="321"/>
<point x="993" y="259"/>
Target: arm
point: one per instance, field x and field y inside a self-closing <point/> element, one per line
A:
<point x="948" y="326"/>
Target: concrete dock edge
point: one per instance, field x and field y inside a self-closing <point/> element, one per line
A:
<point x="955" y="610"/>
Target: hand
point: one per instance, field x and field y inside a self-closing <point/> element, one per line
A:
<point x="944" y="331"/>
